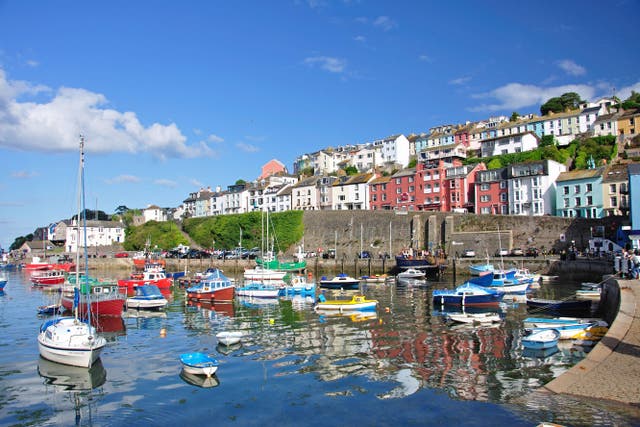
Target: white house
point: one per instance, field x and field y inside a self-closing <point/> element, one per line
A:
<point x="396" y="150"/>
<point x="154" y="213"/>
<point x="352" y="192"/>
<point x="509" y="144"/>
<point x="304" y="195"/>
<point x="532" y="187"/>
<point x="99" y="233"/>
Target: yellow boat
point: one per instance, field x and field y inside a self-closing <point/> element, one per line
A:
<point x="356" y="303"/>
<point x="590" y="336"/>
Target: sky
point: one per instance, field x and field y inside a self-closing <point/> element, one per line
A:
<point x="173" y="96"/>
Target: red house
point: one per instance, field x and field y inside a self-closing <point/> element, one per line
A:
<point x="492" y="192"/>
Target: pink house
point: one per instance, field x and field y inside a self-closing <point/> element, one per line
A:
<point x="272" y="167"/>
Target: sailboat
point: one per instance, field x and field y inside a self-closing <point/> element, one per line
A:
<point x="269" y="260"/>
<point x="69" y="340"/>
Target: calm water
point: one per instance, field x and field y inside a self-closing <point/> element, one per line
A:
<point x="403" y="366"/>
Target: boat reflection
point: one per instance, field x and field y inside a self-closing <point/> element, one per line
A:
<point x="354" y="315"/>
<point x="145" y="319"/>
<point x="109" y="327"/>
<point x="224" y="308"/>
<point x="69" y="378"/>
<point x="228" y="349"/>
<point x="199" y="380"/>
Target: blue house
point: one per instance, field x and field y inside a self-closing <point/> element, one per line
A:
<point x="634" y="204"/>
<point x="579" y="194"/>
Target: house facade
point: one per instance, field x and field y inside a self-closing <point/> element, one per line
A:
<point x="531" y="187"/>
<point x="492" y="192"/>
<point x="615" y="190"/>
<point x="579" y="194"/>
<point x="98" y="233"/>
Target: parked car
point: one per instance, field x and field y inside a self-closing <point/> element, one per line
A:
<point x="329" y="254"/>
<point x="517" y="252"/>
<point x="121" y="255"/>
<point x="364" y="255"/>
<point x="469" y="253"/>
<point x="502" y="252"/>
<point x="532" y="252"/>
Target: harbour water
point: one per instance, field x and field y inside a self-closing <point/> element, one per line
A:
<point x="403" y="365"/>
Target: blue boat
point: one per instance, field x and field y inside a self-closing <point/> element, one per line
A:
<point x="3" y="282"/>
<point x="506" y="281"/>
<point x="480" y="269"/>
<point x="541" y="339"/>
<point x="468" y="294"/>
<point x="341" y="281"/>
<point x="199" y="364"/>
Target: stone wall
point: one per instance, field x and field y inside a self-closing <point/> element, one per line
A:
<point x="386" y="231"/>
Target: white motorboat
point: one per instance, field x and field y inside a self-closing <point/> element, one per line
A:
<point x="147" y="297"/>
<point x="411" y="273"/>
<point x="229" y="337"/>
<point x="199" y="364"/>
<point x="474" y="317"/>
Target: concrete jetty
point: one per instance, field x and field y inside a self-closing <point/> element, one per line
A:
<point x="611" y="371"/>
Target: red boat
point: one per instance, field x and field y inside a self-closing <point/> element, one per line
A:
<point x="38" y="265"/>
<point x="215" y="286"/>
<point x="105" y="300"/>
<point x="47" y="277"/>
<point x="150" y="276"/>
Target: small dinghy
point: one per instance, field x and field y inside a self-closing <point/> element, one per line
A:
<point x="229" y="337"/>
<point x="541" y="339"/>
<point x="199" y="364"/>
<point x="476" y="318"/>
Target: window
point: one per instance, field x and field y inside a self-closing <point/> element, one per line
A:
<point x="436" y="187"/>
<point x="578" y="202"/>
<point x="516" y="183"/>
<point x="374" y="187"/>
<point x="565" y="202"/>
<point x="589" y="187"/>
<point x="589" y="200"/>
<point x="505" y="210"/>
<point x="565" y="189"/>
<point x="576" y="189"/>
<point x="410" y="179"/>
<point x="535" y="181"/>
<point x="516" y="195"/>
<point x="398" y="181"/>
<point x="411" y="189"/>
<point x="503" y="184"/>
<point x="485" y="198"/>
<point x="503" y="197"/>
<point x="612" y="188"/>
<point x="485" y="210"/>
<point x="537" y="193"/>
<point x="613" y="201"/>
<point x="485" y="187"/>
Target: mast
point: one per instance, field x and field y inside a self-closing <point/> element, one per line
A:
<point x="84" y="228"/>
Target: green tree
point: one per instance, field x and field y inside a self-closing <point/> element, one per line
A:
<point x="412" y="162"/>
<point x="557" y="104"/>
<point x="547" y="140"/>
<point x="494" y="163"/>
<point x="632" y="102"/>
<point x="514" y="116"/>
<point x="121" y="209"/>
<point x="351" y="170"/>
<point x="19" y="241"/>
<point x="164" y="235"/>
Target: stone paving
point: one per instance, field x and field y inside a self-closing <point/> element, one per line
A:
<point x="611" y="371"/>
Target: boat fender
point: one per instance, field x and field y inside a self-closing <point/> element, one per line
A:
<point x="321" y="298"/>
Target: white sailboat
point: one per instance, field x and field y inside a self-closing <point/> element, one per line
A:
<point x="68" y="340"/>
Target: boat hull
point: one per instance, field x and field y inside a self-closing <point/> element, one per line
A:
<point x="111" y="306"/>
<point x="199" y="364"/>
<point x="229" y="338"/>
<point x="146" y="304"/>
<point x="540" y="340"/>
<point x="224" y="294"/>
<point x="70" y="342"/>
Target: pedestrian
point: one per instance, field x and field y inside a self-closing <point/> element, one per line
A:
<point x="635" y="263"/>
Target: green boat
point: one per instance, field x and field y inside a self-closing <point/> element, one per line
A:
<point x="275" y="264"/>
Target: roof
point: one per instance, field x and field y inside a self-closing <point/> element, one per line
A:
<point x="581" y="174"/>
<point x="497" y="138"/>
<point x="404" y="172"/>
<point x="615" y="173"/>
<point x="634" y="169"/>
<point x="381" y="180"/>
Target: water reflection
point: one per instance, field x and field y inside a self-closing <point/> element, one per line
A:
<point x="199" y="380"/>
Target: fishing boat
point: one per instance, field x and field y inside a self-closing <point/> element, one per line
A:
<point x="541" y="339"/>
<point x="259" y="290"/>
<point x="341" y="281"/>
<point x="468" y="294"/>
<point x="50" y="309"/>
<point x="199" y="364"/>
<point x="61" y="264"/>
<point x="411" y="273"/>
<point x="103" y="298"/>
<point x="214" y="286"/>
<point x="298" y="285"/>
<point x="69" y="340"/>
<point x="567" y="332"/>
<point x="356" y="303"/>
<point x="590" y="336"/>
<point x="47" y="277"/>
<point x="147" y="297"/>
<point x="375" y="278"/>
<point x="481" y="269"/>
<point x="506" y="281"/>
<point x="3" y="280"/>
<point x="473" y="318"/>
<point x="552" y="322"/>
<point x="152" y="276"/>
<point x="559" y="306"/>
<point x="229" y="337"/>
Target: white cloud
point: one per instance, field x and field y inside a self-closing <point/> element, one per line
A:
<point x="361" y="39"/>
<point x="459" y="81"/>
<point x="196" y="183"/>
<point x="425" y="58"/>
<point x="327" y="63"/>
<point x="23" y="174"/>
<point x="56" y="123"/>
<point x="247" y="148"/>
<point x="625" y="92"/>
<point x="165" y="183"/>
<point x="32" y="63"/>
<point x="513" y="96"/>
<point x="123" y="179"/>
<point x="571" y="68"/>
<point x="385" y="23"/>
<point x="214" y="138"/>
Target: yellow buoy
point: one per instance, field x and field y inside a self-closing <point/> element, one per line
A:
<point x="271" y="321"/>
<point x="163" y="333"/>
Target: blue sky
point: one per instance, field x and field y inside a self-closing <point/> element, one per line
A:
<point x="172" y="96"/>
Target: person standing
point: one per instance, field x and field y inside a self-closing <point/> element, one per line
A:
<point x="634" y="259"/>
